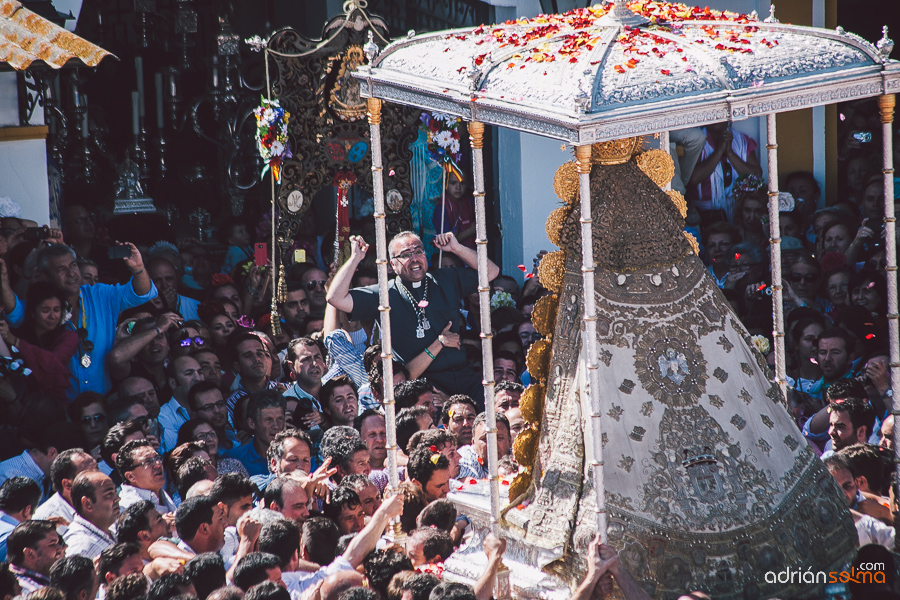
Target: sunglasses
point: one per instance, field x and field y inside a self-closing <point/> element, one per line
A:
<point x="98" y="418"/>
<point x="186" y="341"/>
<point x="800" y="277"/>
<point x="311" y="285"/>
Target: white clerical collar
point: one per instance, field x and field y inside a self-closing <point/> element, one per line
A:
<point x="417" y="284"/>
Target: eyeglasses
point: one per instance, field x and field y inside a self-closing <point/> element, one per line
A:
<point x="186" y="341"/>
<point x="311" y="285"/>
<point x="801" y="277"/>
<point x="216" y="405"/>
<point x="411" y="253"/>
<point x="210" y="435"/>
<point x="97" y="419"/>
<point x="150" y="462"/>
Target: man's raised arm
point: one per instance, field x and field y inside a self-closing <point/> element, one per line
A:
<point x="338" y="294"/>
<point x="448" y="243"/>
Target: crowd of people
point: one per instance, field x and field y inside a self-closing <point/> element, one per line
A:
<point x="165" y="439"/>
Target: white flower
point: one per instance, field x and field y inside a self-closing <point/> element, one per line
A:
<point x="762" y="344"/>
<point x="501" y="299"/>
<point x="277" y="148"/>
<point x="443" y="138"/>
<point x="785" y="202"/>
<point x="454" y="145"/>
<point x="268" y="116"/>
<point x="443" y="117"/>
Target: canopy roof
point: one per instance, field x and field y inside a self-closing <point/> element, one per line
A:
<point x="26" y="38"/>
<point x="598" y="73"/>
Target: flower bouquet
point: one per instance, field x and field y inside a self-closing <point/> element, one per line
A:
<point x="443" y="141"/>
<point x="272" y="136"/>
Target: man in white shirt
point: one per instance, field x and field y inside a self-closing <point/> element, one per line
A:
<point x="143" y="475"/>
<point x="63" y="471"/>
<point x="97" y="506"/>
<point x="34" y="464"/>
<point x="183" y="372"/>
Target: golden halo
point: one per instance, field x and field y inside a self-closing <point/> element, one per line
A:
<point x="657" y="165"/>
<point x="532" y="403"/>
<point x="679" y="202"/>
<point x="538" y="359"/>
<point x="555" y="223"/>
<point x="565" y="182"/>
<point x="525" y="446"/>
<point x="551" y="270"/>
<point x="519" y="485"/>
<point x="544" y="314"/>
<point x="693" y="241"/>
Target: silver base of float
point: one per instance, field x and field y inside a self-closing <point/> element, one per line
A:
<point x="527" y="581"/>
<point x="134" y="205"/>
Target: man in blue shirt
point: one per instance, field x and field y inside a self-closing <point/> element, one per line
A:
<point x="265" y="417"/>
<point x="94" y="310"/>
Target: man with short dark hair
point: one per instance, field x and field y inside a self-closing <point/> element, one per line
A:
<point x="117" y="436"/>
<point x="507" y="395"/>
<point x="141" y="524"/>
<point x="253" y="364"/>
<point x="119" y="560"/>
<point x="295" y="309"/>
<point x="33" y="548"/>
<point x="234" y="493"/>
<point x="282" y="538"/>
<point x="369" y="496"/>
<point x="143" y="475"/>
<point x="850" y="421"/>
<point x="306" y="367"/>
<point x="345" y="510"/>
<point x="75" y="577"/>
<point x="255" y="568"/>
<point x="206" y="401"/>
<point x="97" y="504"/>
<point x="183" y="372"/>
<point x="430" y="471"/>
<point x="339" y="401"/>
<point x="200" y="522"/>
<point x="63" y="470"/>
<point x="834" y="355"/>
<point x="207" y="571"/>
<point x="868" y="528"/>
<point x="287" y="496"/>
<point x="265" y="417"/>
<point x="19" y="497"/>
<point x="415" y="392"/>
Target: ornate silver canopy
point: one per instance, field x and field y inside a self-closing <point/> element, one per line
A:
<point x="596" y="74"/>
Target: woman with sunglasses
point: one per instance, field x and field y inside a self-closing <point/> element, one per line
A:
<point x="45" y="344"/>
<point x="801" y="284"/>
<point x="201" y="431"/>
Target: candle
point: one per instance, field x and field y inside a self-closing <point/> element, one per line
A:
<point x="85" y="128"/>
<point x="215" y="72"/>
<point x="139" y="67"/>
<point x="157" y="80"/>
<point x="135" y="113"/>
<point x="173" y="92"/>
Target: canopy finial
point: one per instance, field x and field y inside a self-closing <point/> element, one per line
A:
<point x="771" y="18"/>
<point x="885" y="44"/>
<point x="371" y="48"/>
